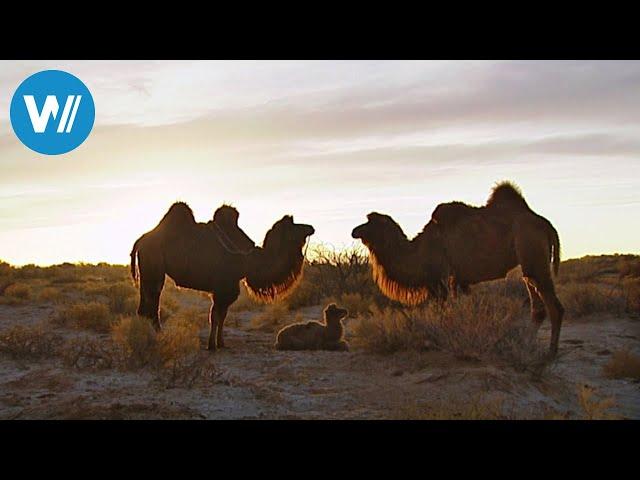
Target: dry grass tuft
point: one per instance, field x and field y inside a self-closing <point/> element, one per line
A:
<point x="623" y="364"/>
<point x="174" y="354"/>
<point x="87" y="353"/>
<point x="135" y="342"/>
<point x="271" y="318"/>
<point x="50" y="294"/>
<point x="16" y="294"/>
<point x="582" y="299"/>
<point x="29" y="342"/>
<point x="120" y="296"/>
<point x="594" y="408"/>
<point x="631" y="288"/>
<point x="93" y="316"/>
<point x="471" y="327"/>
<point x="356" y="304"/>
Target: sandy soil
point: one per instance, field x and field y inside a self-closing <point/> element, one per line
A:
<point x="253" y="381"/>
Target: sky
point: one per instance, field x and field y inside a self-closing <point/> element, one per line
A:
<point x="328" y="142"/>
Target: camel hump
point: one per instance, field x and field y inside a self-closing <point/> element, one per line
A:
<point x="507" y="194"/>
<point x="226" y="214"/>
<point x="451" y="213"/>
<point x="179" y="215"/>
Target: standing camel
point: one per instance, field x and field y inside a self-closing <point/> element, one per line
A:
<point x="214" y="257"/>
<point x="462" y="245"/>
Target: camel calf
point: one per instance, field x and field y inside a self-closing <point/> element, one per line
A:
<point x="315" y="335"/>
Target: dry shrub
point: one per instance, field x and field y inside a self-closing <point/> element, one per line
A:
<point x="135" y="342"/>
<point x="593" y="407"/>
<point x="120" y="296"/>
<point x="304" y="295"/>
<point x="29" y="342"/>
<point x="174" y="353"/>
<point x="470" y="327"/>
<point x="169" y="305"/>
<point x="271" y="317"/>
<point x="179" y="350"/>
<point x="87" y="353"/>
<point x="356" y="304"/>
<point x="623" y="364"/>
<point x="631" y="287"/>
<point x="582" y="299"/>
<point x="50" y="294"/>
<point x="19" y="290"/>
<point x="89" y="316"/>
<point x="629" y="266"/>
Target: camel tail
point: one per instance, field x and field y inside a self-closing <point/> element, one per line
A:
<point x="555" y="243"/>
<point x="134" y="255"/>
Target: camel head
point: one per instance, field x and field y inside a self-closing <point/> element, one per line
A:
<point x="226" y="217"/>
<point x="333" y="313"/>
<point x="404" y="270"/>
<point x="287" y="236"/>
<point x="379" y="231"/>
<point x="275" y="269"/>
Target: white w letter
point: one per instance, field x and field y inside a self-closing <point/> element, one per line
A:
<point x="40" y="120"/>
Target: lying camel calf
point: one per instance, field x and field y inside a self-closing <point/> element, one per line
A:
<point x="315" y="335"/>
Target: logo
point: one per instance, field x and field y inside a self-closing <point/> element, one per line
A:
<point x="52" y="112"/>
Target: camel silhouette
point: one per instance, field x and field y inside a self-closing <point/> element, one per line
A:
<point x="462" y="245"/>
<point x="214" y="257"/>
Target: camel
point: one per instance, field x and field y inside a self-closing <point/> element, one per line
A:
<point x="315" y="335"/>
<point x="462" y="245"/>
<point x="214" y="257"/>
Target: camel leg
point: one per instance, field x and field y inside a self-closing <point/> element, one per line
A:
<point x="545" y="290"/>
<point x="554" y="309"/>
<point x="453" y="287"/>
<point x="221" y="314"/>
<point x="538" y="311"/>
<point x="211" y="346"/>
<point x="149" y="305"/>
<point x="532" y="250"/>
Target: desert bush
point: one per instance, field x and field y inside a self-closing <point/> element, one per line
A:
<point x="623" y="364"/>
<point x="135" y="342"/>
<point x="120" y="296"/>
<point x="197" y="317"/>
<point x="50" y="294"/>
<point x="174" y="354"/>
<point x="388" y="331"/>
<point x="305" y="294"/>
<point x="29" y="342"/>
<point x="593" y="407"/>
<point x="333" y="272"/>
<point x="629" y="266"/>
<point x="90" y="316"/>
<point x="87" y="352"/>
<point x="356" y="304"/>
<point x="270" y="318"/>
<point x="18" y="290"/>
<point x="631" y="288"/>
<point x="179" y="349"/>
<point x="470" y="327"/>
<point x="582" y="299"/>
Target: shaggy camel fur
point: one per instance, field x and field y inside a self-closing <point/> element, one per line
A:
<point x="315" y="335"/>
<point x="213" y="257"/>
<point x="462" y="245"/>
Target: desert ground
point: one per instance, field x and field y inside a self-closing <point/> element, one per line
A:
<point x="71" y="347"/>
